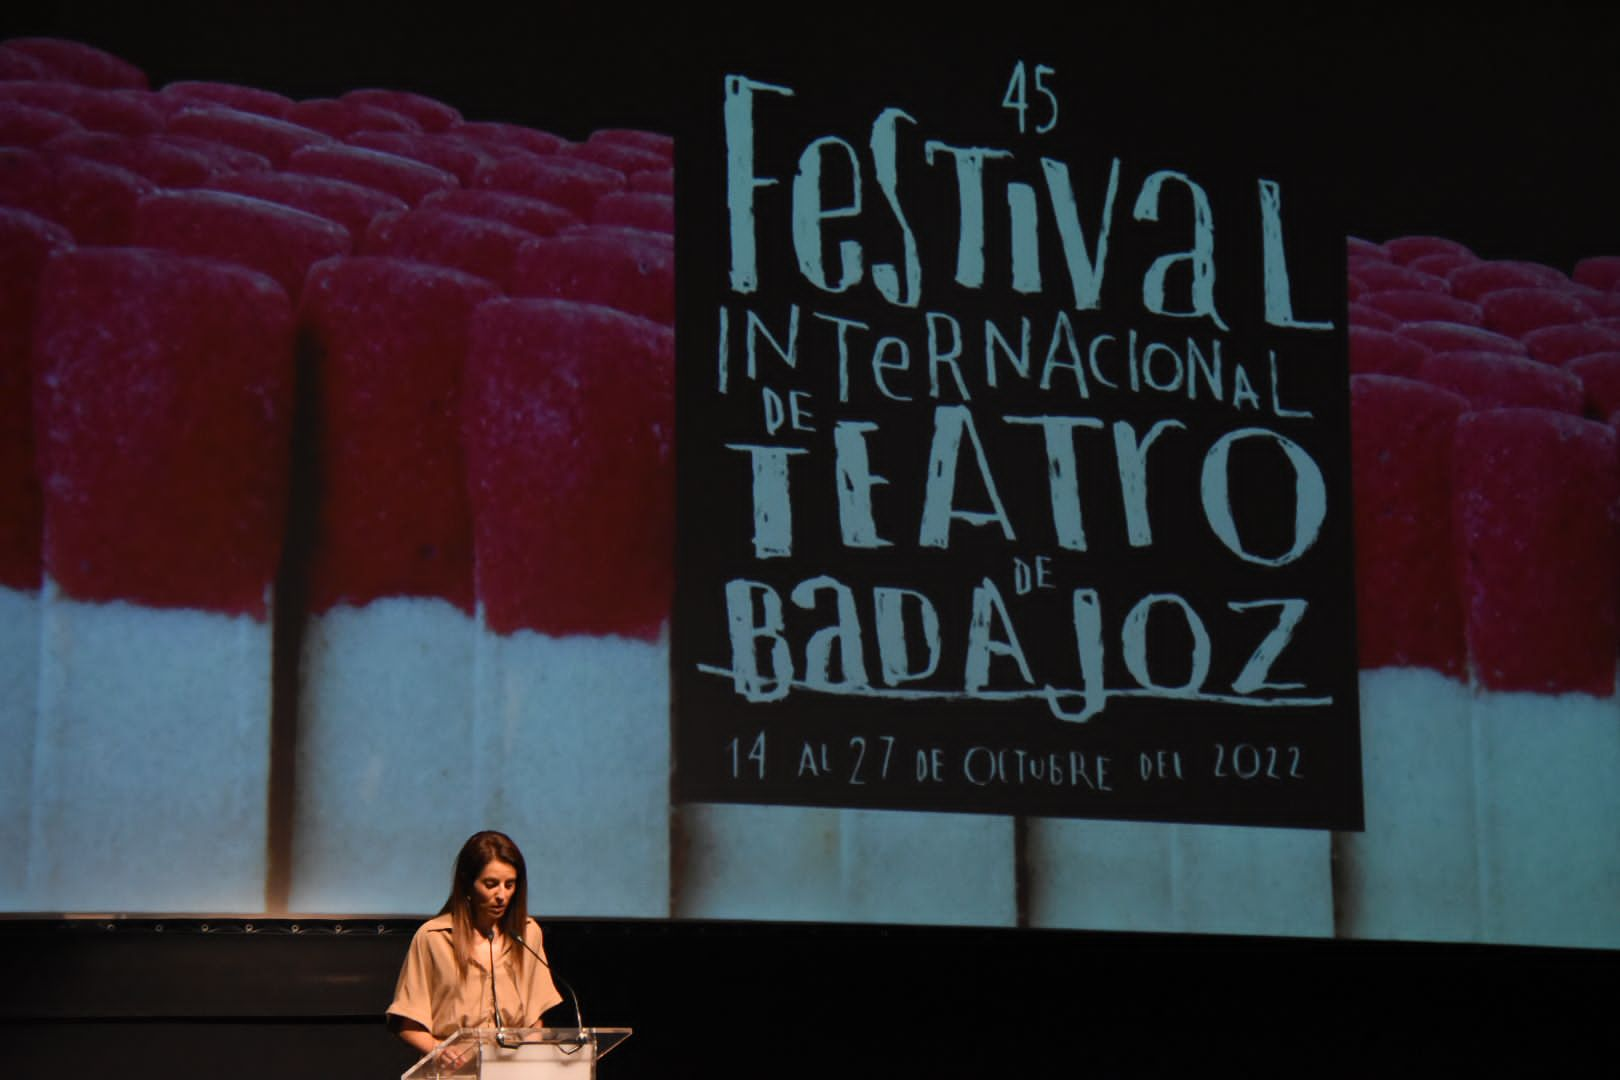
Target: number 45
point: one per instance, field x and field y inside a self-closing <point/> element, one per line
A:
<point x="1017" y="96"/>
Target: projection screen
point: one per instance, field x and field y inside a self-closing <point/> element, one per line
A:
<point x="1127" y="483"/>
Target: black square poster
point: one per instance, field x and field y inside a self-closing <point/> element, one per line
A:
<point x="1012" y="448"/>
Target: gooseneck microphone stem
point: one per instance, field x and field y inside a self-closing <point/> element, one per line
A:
<point x="500" y="1029"/>
<point x="579" y="1022"/>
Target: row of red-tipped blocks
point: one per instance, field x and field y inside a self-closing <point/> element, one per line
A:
<point x="1484" y="398"/>
<point x="484" y="314"/>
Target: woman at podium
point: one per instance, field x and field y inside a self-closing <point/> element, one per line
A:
<point x="481" y="953"/>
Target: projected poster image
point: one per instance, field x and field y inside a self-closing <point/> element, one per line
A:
<point x="1072" y="531"/>
<point x="1024" y="498"/>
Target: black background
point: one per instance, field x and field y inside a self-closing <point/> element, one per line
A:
<point x="202" y="998"/>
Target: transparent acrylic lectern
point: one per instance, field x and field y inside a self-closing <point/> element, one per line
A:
<point x="519" y="1054"/>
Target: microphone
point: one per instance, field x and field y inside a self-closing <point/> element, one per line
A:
<point x="500" y="1029"/>
<point x="579" y="1022"/>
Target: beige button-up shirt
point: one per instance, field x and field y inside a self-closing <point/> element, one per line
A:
<point x="432" y="992"/>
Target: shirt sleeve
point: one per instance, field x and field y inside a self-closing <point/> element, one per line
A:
<point x="540" y="992"/>
<point x="412" y="994"/>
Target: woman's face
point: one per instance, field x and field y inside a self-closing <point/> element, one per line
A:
<point x="492" y="891"/>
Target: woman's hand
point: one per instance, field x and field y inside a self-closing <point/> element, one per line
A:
<point x="422" y="1040"/>
<point x="456" y="1056"/>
